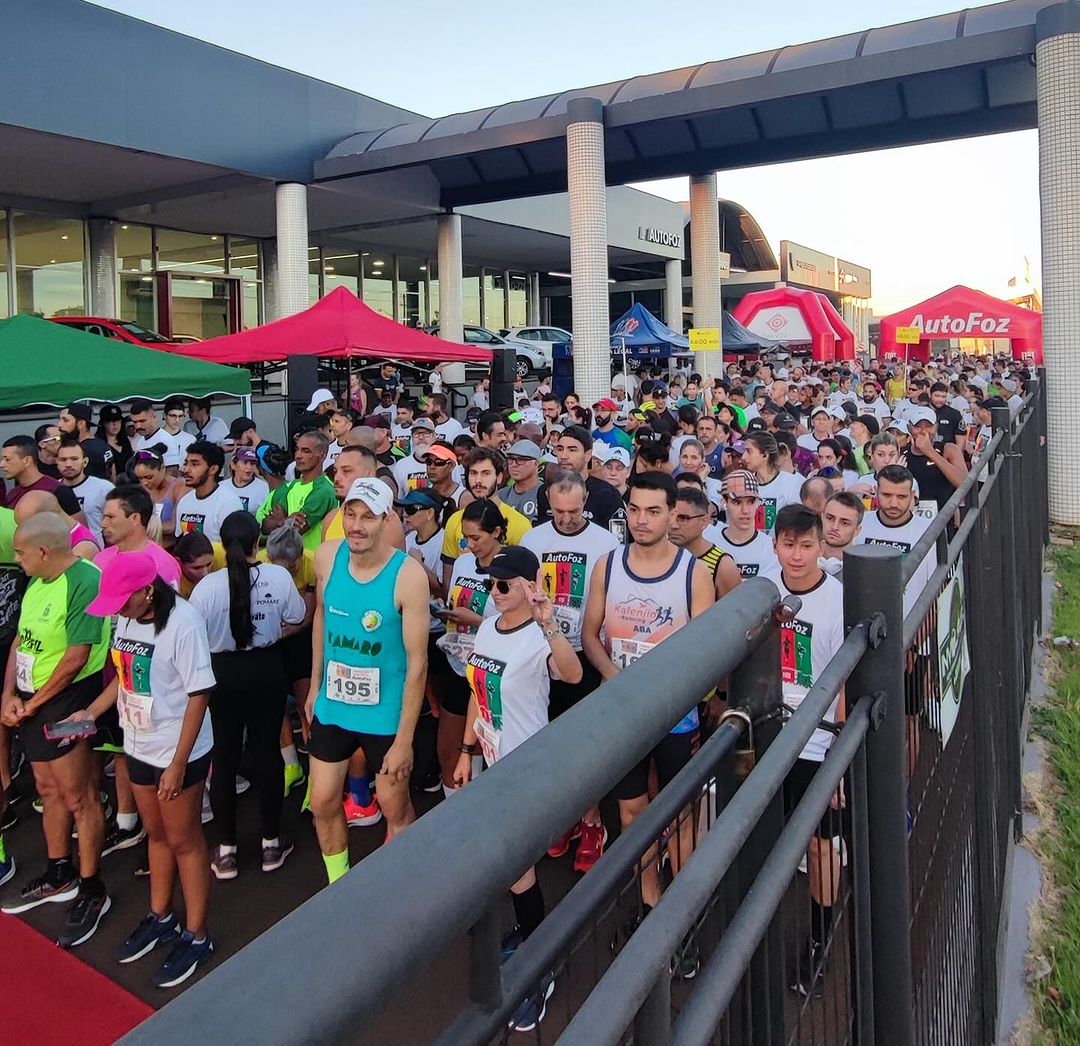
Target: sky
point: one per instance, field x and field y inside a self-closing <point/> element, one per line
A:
<point x="922" y="218"/>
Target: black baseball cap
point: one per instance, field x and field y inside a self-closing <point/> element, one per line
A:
<point x="240" y="426"/>
<point x="81" y="411"/>
<point x="784" y="420"/>
<point x="111" y="412"/>
<point x="512" y="562"/>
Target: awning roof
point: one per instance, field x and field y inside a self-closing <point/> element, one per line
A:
<point x="48" y="363"/>
<point x="337" y="326"/>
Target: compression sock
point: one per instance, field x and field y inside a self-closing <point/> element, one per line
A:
<point x="528" y="909"/>
<point x="125" y="822"/>
<point x="288" y="753"/>
<point x="60" y="870"/>
<point x="91" y="886"/>
<point x="820" y="922"/>
<point x="336" y="865"/>
<point x="360" y="790"/>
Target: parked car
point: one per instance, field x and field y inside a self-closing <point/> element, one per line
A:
<point x="541" y="334"/>
<point x="118" y="330"/>
<point x="533" y="358"/>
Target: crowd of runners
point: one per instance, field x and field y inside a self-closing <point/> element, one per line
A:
<point x="404" y="598"/>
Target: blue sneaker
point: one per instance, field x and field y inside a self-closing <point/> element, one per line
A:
<point x="151" y="933"/>
<point x="510" y="944"/>
<point x="185" y="958"/>
<point x="7" y="870"/>
<point x="531" y="1012"/>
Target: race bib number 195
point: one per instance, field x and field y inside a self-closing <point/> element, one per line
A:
<point x="352" y="685"/>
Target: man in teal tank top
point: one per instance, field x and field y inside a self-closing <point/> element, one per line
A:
<point x="369" y="666"/>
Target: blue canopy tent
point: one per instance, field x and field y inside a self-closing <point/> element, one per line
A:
<point x="645" y="337"/>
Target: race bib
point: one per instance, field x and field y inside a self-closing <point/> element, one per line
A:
<point x="351" y="685"/>
<point x="489" y="739"/>
<point x="624" y="652"/>
<point x="159" y="508"/>
<point x="457" y="646"/>
<point x="24" y="672"/>
<point x="569" y="621"/>
<point x="134" y="710"/>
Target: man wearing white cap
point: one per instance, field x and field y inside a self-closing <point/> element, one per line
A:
<point x="821" y="427"/>
<point x="369" y="667"/>
<point x="616" y="470"/>
<point x="937" y="473"/>
<point x="322" y="402"/>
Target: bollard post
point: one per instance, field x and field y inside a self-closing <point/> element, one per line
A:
<point x="873" y="584"/>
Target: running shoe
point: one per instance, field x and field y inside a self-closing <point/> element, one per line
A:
<point x="9" y="819"/>
<point x="626" y="930"/>
<point x="185" y="958"/>
<point x="17" y="764"/>
<point x="510" y="943"/>
<point x="531" y="1012"/>
<point x="207" y="809"/>
<point x="41" y="891"/>
<point x="242" y="784"/>
<point x="224" y="864"/>
<point x="294" y="775"/>
<point x="7" y="870"/>
<point x="305" y="806"/>
<point x="83" y="918"/>
<point x="273" y="857"/>
<point x="142" y="863"/>
<point x="591" y="847"/>
<point x="117" y="838"/>
<point x="809" y="974"/>
<point x="38" y="805"/>
<point x="151" y="933"/>
<point x="685" y="963"/>
<point x="357" y="816"/>
<point x="109" y="770"/>
<point x="561" y="846"/>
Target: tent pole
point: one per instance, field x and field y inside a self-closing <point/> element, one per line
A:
<point x="245" y="404"/>
<point x="348" y="380"/>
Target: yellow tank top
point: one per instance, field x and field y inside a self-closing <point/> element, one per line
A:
<point x="335" y="531"/>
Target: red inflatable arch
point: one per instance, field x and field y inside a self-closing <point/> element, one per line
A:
<point x="961" y="312"/>
<point x="797" y="317"/>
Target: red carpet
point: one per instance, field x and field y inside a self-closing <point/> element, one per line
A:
<point x="49" y="996"/>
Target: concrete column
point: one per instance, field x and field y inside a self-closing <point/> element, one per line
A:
<point x="1057" y="70"/>
<point x="451" y="325"/>
<point x="673" y="295"/>
<point x="705" y="260"/>
<point x="291" y="291"/>
<point x="102" y="267"/>
<point x="534" y="299"/>
<point x="588" y="248"/>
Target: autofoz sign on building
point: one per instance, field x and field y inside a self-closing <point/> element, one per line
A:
<point x="974" y="324"/>
<point x="660" y="236"/>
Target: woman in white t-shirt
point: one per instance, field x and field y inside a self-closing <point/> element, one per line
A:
<point x="161" y="690"/>
<point x="514" y="659"/>
<point x="248" y="608"/>
<point x="244" y="479"/>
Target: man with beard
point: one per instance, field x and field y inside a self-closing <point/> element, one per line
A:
<point x="353" y="463"/>
<point x="604" y="413"/>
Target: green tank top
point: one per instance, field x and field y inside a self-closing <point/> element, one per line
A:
<point x="52" y="618"/>
<point x="364" y="662"/>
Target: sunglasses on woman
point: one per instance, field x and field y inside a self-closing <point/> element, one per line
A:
<point x="411" y="510"/>
<point x="502" y="587"/>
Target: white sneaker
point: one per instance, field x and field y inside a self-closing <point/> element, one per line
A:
<point x="242" y="784"/>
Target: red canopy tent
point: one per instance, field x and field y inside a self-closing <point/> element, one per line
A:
<point x="961" y="312"/>
<point x="797" y="317"/>
<point x="337" y="326"/>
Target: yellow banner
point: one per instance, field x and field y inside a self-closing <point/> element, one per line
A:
<point x="704" y="339"/>
<point x="908" y="335"/>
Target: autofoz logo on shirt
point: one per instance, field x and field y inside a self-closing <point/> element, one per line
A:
<point x="192" y="523"/>
<point x="796" y="653"/>
<point x="645" y="615"/>
<point x="749" y="569"/>
<point x="900" y="546"/>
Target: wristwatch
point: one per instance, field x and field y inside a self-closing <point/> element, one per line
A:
<point x="549" y="632"/>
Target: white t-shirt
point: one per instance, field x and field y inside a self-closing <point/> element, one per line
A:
<point x="215" y="431"/>
<point x="274" y="603"/>
<point x="204" y="515"/>
<point x="782" y="490"/>
<point x="431" y="555"/>
<point x="808" y="441"/>
<point x="756" y="557"/>
<point x="807" y="644"/>
<point x="567" y="562"/>
<point x="157" y="673"/>
<point x="409" y="474"/>
<point x="834" y="399"/>
<point x="449" y="429"/>
<point x="252" y="495"/>
<point x="903" y="537"/>
<point x="91" y="493"/>
<point x="879" y="409"/>
<point x="332" y="453"/>
<point x="466" y="590"/>
<point x="176" y="445"/>
<point x="508" y="675"/>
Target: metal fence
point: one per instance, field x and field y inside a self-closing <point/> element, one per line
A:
<point x="916" y="806"/>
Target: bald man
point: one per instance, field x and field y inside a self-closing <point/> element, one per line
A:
<point x="34" y="502"/>
<point x="54" y="669"/>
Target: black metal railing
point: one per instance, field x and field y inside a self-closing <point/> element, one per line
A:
<point x="916" y="807"/>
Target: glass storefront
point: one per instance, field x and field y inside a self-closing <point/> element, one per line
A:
<point x="49" y="265"/>
<point x="340" y="269"/>
<point x="190" y="251"/>
<point x="200" y="306"/>
<point x="244" y="261"/>
<point x="314" y="280"/>
<point x="494" y="298"/>
<point x="412" y="292"/>
<point x="137" y="301"/>
<point x="379" y="283"/>
<point x="470" y="295"/>
<point x="519" y="313"/>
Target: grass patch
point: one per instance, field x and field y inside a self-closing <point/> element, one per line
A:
<point x="1057" y="925"/>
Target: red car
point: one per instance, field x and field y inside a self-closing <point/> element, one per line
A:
<point x="118" y="330"/>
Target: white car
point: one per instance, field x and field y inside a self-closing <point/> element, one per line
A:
<point x="532" y="358"/>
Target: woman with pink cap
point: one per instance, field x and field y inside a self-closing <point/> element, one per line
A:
<point x="161" y="690"/>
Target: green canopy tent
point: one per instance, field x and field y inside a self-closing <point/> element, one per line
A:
<point x="50" y="364"/>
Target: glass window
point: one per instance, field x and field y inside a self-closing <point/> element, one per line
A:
<point x="200" y="307"/>
<point x="379" y="283"/>
<point x="494" y="315"/>
<point x="470" y="295"/>
<point x="3" y="265"/>
<point x="49" y="266"/>
<point x="190" y="251"/>
<point x="314" y="267"/>
<point x="245" y="262"/>
<point x="433" y="297"/>
<point x="518" y="312"/>
<point x="412" y="291"/>
<point x="341" y="269"/>
<point x="135" y="263"/>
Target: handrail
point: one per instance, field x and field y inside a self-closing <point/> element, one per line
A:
<point x="398" y="895"/>
<point x="625" y="984"/>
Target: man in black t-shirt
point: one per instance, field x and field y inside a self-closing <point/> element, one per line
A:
<point x="386" y="382"/>
<point x="950" y="422"/>
<point x="603" y="506"/>
<point x="75" y="420"/>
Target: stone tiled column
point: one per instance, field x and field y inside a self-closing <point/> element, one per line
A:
<point x="534" y="299"/>
<point x="291" y="291"/>
<point x="673" y="296"/>
<point x="1057" y="66"/>
<point x="588" y="248"/>
<point x="102" y="267"/>
<point x="451" y="326"/>
<point x="705" y="261"/>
